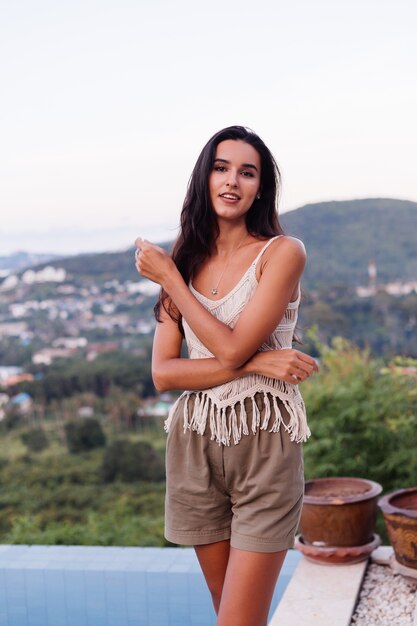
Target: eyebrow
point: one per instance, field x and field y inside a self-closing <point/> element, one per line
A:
<point x="249" y="165"/>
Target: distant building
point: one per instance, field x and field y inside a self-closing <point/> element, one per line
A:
<point x="372" y="276"/>
<point x="10" y="282"/>
<point x="401" y="289"/>
<point x="47" y="355"/>
<point x="8" y="371"/>
<point x="95" y="349"/>
<point x="23" y="403"/>
<point x="145" y="287"/>
<point x="85" y="411"/>
<point x="154" y="409"/>
<point x="71" y="343"/>
<point x="49" y="274"/>
<point x="18" y="378"/>
<point x="13" y="329"/>
<point x="396" y="288"/>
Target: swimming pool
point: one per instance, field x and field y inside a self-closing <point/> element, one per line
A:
<point x="108" y="586"/>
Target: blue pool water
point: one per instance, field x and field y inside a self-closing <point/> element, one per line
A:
<point x="108" y="586"/>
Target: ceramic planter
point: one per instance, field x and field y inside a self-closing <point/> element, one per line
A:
<point x="339" y="511"/>
<point x="337" y="555"/>
<point x="400" y="514"/>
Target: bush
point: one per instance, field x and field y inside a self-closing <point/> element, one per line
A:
<point x="84" y="434"/>
<point x="363" y="418"/>
<point x="35" y="439"/>
<point x="130" y="461"/>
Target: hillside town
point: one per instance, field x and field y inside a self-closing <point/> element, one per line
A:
<point x="47" y="316"/>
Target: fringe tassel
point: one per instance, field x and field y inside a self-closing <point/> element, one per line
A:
<point x="193" y="422"/>
<point x="224" y="436"/>
<point x="243" y="420"/>
<point x="172" y="410"/>
<point x="186" y="413"/>
<point x="226" y="422"/>
<point x="212" y="421"/>
<point x="297" y="427"/>
<point x="278" y="417"/>
<point x="256" y="416"/>
<point x="236" y="430"/>
<point x="267" y="407"/>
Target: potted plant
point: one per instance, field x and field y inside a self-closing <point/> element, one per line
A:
<point x="338" y="519"/>
<point x="400" y="515"/>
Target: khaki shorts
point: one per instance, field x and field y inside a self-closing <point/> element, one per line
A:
<point x="250" y="493"/>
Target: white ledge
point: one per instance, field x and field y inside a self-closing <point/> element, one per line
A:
<point x="320" y="595"/>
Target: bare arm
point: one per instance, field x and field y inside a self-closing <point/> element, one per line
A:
<point x="169" y="371"/>
<point x="232" y="347"/>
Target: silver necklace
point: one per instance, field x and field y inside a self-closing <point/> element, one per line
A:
<point x="215" y="290"/>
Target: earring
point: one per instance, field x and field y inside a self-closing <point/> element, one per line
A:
<point x="258" y="196"/>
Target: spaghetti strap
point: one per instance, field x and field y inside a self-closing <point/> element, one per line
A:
<point x="268" y="243"/>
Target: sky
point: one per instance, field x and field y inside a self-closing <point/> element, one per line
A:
<point x="106" y="104"/>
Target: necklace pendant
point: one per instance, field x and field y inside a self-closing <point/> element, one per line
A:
<point x="214" y="291"/>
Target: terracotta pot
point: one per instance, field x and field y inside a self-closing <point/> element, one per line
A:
<point x="400" y="515"/>
<point x="337" y="555"/>
<point x="339" y="511"/>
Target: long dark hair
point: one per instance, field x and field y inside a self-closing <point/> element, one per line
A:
<point x="198" y="227"/>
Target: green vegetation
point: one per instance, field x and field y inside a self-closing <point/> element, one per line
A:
<point x="342" y="237"/>
<point x="363" y="417"/>
<point x="66" y="378"/>
<point x="84" y="434"/>
<point x="131" y="461"/>
<point x="35" y="439"/>
<point x="385" y="324"/>
<point x="54" y="497"/>
<point x="362" y="413"/>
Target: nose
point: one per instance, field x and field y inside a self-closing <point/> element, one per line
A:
<point x="232" y="179"/>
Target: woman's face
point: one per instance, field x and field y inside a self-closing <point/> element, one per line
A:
<point x="235" y="179"/>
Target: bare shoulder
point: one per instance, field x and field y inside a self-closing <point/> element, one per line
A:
<point x="285" y="248"/>
<point x="286" y="253"/>
<point x="290" y="244"/>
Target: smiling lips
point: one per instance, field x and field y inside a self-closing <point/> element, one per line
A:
<point x="230" y="197"/>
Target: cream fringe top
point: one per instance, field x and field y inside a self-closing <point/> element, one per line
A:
<point x="223" y="406"/>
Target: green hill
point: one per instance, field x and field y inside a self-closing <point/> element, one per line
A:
<point x="99" y="267"/>
<point x="342" y="237"/>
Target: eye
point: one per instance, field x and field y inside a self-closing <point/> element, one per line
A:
<point x="219" y="168"/>
<point x="247" y="174"/>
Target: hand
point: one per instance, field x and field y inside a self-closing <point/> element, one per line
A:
<point x="287" y="364"/>
<point x="153" y="262"/>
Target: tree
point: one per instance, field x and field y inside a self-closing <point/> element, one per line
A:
<point x="363" y="418"/>
<point x="84" y="434"/>
<point x="130" y="461"/>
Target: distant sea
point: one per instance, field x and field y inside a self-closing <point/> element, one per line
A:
<point x="76" y="241"/>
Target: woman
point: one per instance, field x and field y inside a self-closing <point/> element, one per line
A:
<point x="234" y="459"/>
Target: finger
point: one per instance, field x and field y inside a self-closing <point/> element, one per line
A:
<point x="298" y="378"/>
<point x="143" y="244"/>
<point x="303" y="371"/>
<point x="308" y="359"/>
<point x="297" y="363"/>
